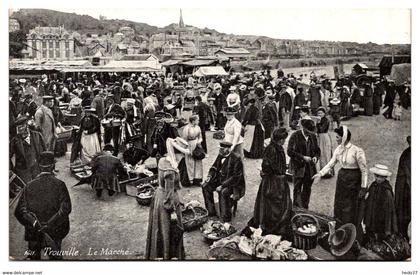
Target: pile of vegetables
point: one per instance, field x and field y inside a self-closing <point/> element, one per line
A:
<point x="217" y="230"/>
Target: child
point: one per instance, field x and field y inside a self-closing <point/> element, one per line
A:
<point x="380" y="217"/>
<point x="397" y="111"/>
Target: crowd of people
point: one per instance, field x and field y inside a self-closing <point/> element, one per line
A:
<point x="128" y="118"/>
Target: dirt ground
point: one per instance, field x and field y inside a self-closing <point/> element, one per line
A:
<point x="119" y="224"/>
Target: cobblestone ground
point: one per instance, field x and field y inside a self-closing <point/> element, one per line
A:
<point x="119" y="223"/>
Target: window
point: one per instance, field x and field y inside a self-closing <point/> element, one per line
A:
<point x="34" y="48"/>
<point x="51" y="49"/>
<point x="67" y="47"/>
<point x="57" y="49"/>
<point x="44" y="49"/>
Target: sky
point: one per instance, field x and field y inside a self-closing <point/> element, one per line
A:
<point x="359" y="25"/>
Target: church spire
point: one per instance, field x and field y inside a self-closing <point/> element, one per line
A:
<point x="181" y="21"/>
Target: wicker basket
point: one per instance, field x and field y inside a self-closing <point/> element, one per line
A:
<point x="198" y="217"/>
<point x="65" y="135"/>
<point x="145" y="200"/>
<point x="303" y="240"/>
<point x="131" y="186"/>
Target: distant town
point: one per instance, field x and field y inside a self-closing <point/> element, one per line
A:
<point x="181" y="40"/>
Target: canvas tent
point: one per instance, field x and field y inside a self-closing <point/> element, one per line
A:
<point x="401" y="73"/>
<point x="210" y="71"/>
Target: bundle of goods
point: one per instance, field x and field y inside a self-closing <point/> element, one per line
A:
<point x="216" y="230"/>
<point x="193" y="216"/>
<point x="132" y="185"/>
<point x="219" y="135"/>
<point x="145" y="194"/>
<point x="269" y="247"/>
<point x="305" y="231"/>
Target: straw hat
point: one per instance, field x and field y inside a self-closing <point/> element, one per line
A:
<point x="380" y="170"/>
<point x="342" y="239"/>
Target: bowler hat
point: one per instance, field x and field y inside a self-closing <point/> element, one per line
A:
<point x="342" y="239"/>
<point x="108" y="147"/>
<point x="46" y="159"/>
<point x="225" y="144"/>
<point x="230" y="111"/>
<point x="21" y="120"/>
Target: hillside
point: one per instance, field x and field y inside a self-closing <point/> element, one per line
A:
<point x="30" y="18"/>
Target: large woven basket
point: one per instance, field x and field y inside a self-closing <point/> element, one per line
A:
<point x="303" y="240"/>
<point x="65" y="135"/>
<point x="142" y="200"/>
<point x="194" y="217"/>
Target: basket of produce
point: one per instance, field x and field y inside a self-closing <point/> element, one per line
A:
<point x="219" y="135"/>
<point x="64" y="133"/>
<point x="305" y="229"/>
<point x="216" y="230"/>
<point x="194" y="217"/>
<point x="145" y="194"/>
<point x="106" y="123"/>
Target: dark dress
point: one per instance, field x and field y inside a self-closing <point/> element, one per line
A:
<point x="377" y="99"/>
<point x="252" y="117"/>
<point x="403" y="192"/>
<point x="165" y="236"/>
<point x="273" y="206"/>
<point x="380" y="217"/>
<point x="368" y="99"/>
<point x="269" y="118"/>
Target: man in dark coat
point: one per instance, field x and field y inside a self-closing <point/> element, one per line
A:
<point x="403" y="190"/>
<point x="113" y="111"/>
<point x="29" y="106"/>
<point x="389" y="99"/>
<point x="226" y="176"/>
<point x="285" y="107"/>
<point x="98" y="103"/>
<point x="220" y="103"/>
<point x="201" y="110"/>
<point x="26" y="147"/>
<point x="314" y="94"/>
<point x="105" y="171"/>
<point x="269" y="116"/>
<point x="44" y="209"/>
<point x="304" y="153"/>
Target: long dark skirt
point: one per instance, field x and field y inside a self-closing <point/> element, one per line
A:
<point x="257" y="147"/>
<point x="368" y="105"/>
<point x="164" y="237"/>
<point x="273" y="206"/>
<point x="183" y="173"/>
<point x="60" y="148"/>
<point x="346" y="195"/>
<point x="377" y="104"/>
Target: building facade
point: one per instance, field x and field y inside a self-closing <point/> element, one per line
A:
<point x="50" y="43"/>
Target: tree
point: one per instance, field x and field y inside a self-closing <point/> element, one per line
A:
<point x="17" y="42"/>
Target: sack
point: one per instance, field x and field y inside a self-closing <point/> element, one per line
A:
<point x="198" y="153"/>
